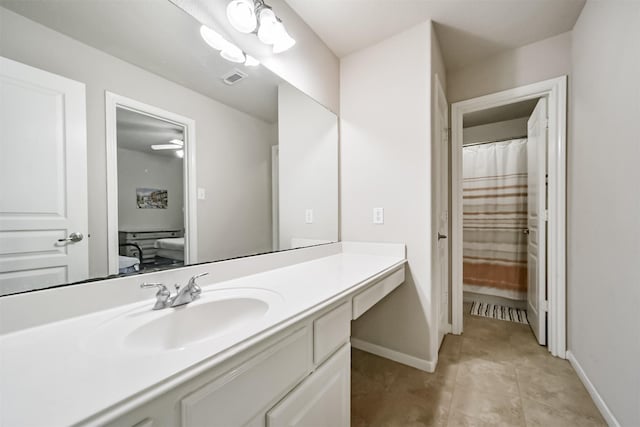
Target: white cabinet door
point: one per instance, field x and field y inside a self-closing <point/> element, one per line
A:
<point x="242" y="396"/>
<point x="322" y="400"/>
<point x="43" y="179"/>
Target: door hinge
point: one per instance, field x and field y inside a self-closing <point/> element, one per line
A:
<point x="546" y="123"/>
<point x="546" y="215"/>
<point x="545" y="305"/>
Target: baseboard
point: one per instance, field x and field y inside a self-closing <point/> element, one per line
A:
<point x="396" y="356"/>
<point x="597" y="399"/>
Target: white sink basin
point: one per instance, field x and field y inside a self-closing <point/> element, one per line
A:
<point x="192" y="323"/>
<point x="214" y="315"/>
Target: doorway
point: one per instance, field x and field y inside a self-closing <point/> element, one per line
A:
<point x="538" y="258"/>
<point x="151" y="187"/>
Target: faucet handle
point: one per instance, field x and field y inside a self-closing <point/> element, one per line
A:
<point x="162" y="296"/>
<point x="193" y="278"/>
<point x="152" y="285"/>
<point x="195" y="289"/>
<point x="192" y="281"/>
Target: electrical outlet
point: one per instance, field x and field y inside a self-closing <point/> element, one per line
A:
<point x="201" y="194"/>
<point x="378" y="215"/>
<point x="308" y="216"/>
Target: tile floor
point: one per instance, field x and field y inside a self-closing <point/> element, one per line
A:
<point x="495" y="374"/>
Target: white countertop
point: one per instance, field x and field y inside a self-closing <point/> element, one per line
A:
<point x="56" y="375"/>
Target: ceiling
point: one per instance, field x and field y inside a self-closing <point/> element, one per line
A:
<point x="468" y="30"/>
<point x="499" y="114"/>
<point x="136" y="131"/>
<point x="161" y="38"/>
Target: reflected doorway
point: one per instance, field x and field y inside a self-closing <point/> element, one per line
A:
<point x="151" y="186"/>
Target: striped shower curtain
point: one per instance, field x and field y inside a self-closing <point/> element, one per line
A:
<point x="494" y="219"/>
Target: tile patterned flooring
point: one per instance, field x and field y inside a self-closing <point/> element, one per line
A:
<point x="495" y="374"/>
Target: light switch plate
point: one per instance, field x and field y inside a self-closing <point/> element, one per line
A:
<point x="201" y="194"/>
<point x="308" y="216"/>
<point x="378" y="215"/>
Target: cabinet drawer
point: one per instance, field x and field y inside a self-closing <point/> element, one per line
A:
<point x="369" y="297"/>
<point x="323" y="398"/>
<point x="240" y="395"/>
<point x="331" y="331"/>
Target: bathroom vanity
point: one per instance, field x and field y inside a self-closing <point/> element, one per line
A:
<point x="267" y="343"/>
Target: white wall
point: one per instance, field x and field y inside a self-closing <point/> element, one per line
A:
<point x="385" y="162"/>
<point x="233" y="148"/>
<point x="603" y="264"/>
<point x="308" y="168"/>
<point x="495" y="131"/>
<point x="532" y="63"/>
<point x="145" y="170"/>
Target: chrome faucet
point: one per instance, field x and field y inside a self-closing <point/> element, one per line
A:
<point x="163" y="296"/>
<point x="190" y="292"/>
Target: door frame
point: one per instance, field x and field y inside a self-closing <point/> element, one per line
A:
<point x="555" y="90"/>
<point x="275" y="197"/>
<point x="112" y="102"/>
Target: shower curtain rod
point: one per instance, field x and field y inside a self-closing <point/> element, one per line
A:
<point x="497" y="140"/>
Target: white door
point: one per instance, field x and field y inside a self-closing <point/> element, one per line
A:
<point x="536" y="222"/>
<point x="323" y="399"/>
<point x="442" y="208"/>
<point x="43" y="179"/>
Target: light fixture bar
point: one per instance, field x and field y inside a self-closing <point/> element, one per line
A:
<point x="255" y="16"/>
<point x="166" y="147"/>
<point x="228" y="50"/>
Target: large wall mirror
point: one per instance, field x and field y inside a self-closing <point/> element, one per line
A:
<point x="123" y="150"/>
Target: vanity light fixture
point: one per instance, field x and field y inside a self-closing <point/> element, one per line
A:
<point x="180" y="153"/>
<point x="242" y="15"/>
<point x="251" y="61"/>
<point x="268" y="30"/>
<point x="228" y="50"/>
<point x="174" y="144"/>
<point x="233" y="53"/>
<point x="248" y="16"/>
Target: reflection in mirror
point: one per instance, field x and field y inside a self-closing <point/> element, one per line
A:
<point x="87" y="92"/>
<point x="150" y="192"/>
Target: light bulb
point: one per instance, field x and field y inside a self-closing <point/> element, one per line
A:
<point x="242" y="16"/>
<point x="180" y="153"/>
<point x="251" y="61"/>
<point x="283" y="40"/>
<point x="165" y="147"/>
<point x="268" y="30"/>
<point x="233" y="53"/>
<point x="213" y="39"/>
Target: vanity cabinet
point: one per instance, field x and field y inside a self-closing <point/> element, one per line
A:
<point x="298" y="377"/>
<point x="323" y="399"/>
<point x="269" y="384"/>
<point x="241" y="396"/>
<point x="370" y="296"/>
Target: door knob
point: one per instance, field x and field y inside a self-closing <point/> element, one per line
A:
<point x="73" y="237"/>
<point x="441" y="236"/>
